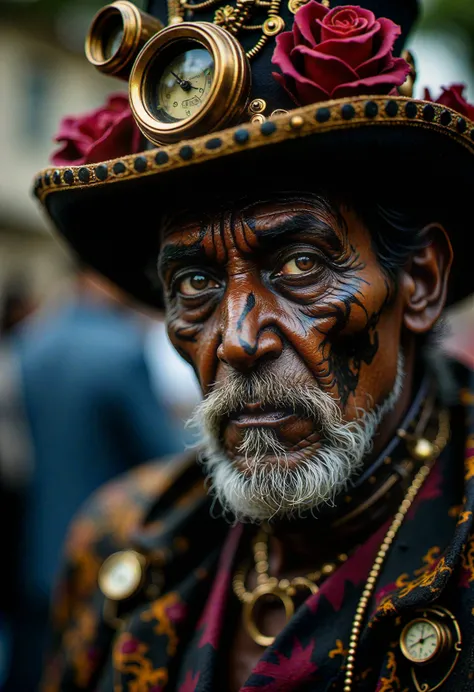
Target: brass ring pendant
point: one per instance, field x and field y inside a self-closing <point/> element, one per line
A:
<point x="248" y="609"/>
<point x="304" y="583"/>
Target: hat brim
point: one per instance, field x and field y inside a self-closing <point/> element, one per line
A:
<point x="110" y="212"/>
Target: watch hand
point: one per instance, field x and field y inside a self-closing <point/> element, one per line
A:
<point x="178" y="79"/>
<point x="183" y="83"/>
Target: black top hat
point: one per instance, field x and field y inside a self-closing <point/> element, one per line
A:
<point x="253" y="94"/>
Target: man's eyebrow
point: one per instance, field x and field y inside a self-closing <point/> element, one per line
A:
<point x="294" y="224"/>
<point x="178" y="253"/>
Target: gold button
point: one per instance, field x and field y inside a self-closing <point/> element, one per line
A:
<point x="121" y="575"/>
<point x="257" y="106"/>
<point x="423" y="449"/>
<point x="296" y="122"/>
<point x="273" y="25"/>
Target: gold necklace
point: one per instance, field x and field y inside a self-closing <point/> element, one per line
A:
<point x="437" y="447"/>
<point x="283" y="589"/>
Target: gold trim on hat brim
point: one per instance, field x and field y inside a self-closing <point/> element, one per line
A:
<point x="340" y="114"/>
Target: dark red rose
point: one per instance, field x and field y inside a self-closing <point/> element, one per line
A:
<point x="345" y="51"/>
<point x="452" y="98"/>
<point x="102" y="134"/>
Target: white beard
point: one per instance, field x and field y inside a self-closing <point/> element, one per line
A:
<point x="272" y="488"/>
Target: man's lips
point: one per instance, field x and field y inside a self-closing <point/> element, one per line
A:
<point x="258" y="416"/>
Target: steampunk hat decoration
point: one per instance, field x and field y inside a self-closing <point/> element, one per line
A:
<point x="223" y="97"/>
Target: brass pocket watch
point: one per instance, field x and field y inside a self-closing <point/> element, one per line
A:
<point x="431" y="643"/>
<point x="189" y="79"/>
<point x="185" y="80"/>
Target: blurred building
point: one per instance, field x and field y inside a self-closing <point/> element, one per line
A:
<point x="41" y="81"/>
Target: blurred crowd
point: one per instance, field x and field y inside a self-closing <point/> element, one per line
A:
<point x="89" y="387"/>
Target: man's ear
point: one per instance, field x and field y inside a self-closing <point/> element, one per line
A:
<point x="425" y="280"/>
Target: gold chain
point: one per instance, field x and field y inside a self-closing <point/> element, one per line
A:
<point x="234" y="19"/>
<point x="438" y="445"/>
<point x="281" y="589"/>
<point x="260" y="549"/>
<point x="285" y="590"/>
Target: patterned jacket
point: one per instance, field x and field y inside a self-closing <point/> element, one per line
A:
<point x="172" y="636"/>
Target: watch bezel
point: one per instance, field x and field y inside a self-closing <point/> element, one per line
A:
<point x="439" y="643"/>
<point x="228" y="94"/>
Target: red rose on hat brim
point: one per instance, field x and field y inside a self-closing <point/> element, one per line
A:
<point x="102" y="134"/>
<point x="452" y="97"/>
<point x="337" y="53"/>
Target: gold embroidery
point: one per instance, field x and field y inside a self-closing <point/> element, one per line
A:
<point x="429" y="559"/>
<point x="339" y="650"/>
<point x="463" y="517"/>
<point x="467" y="559"/>
<point x="469" y="465"/>
<point x="134" y="662"/>
<point x="76" y="641"/>
<point x="386" y="606"/>
<point x="388" y="684"/>
<point x="426" y="577"/>
<point x="158" y="611"/>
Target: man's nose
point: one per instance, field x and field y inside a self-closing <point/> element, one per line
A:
<point x="249" y="332"/>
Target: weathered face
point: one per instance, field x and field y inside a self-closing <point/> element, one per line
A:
<point x="289" y="294"/>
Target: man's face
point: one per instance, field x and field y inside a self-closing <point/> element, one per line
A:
<point x="293" y="329"/>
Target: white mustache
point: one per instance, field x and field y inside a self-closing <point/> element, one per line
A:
<point x="268" y="390"/>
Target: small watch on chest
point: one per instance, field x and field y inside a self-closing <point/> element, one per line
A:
<point x="431" y="643"/>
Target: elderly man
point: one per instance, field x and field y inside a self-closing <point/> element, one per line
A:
<point x="323" y="541"/>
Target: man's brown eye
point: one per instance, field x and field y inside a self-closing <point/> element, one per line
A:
<point x="195" y="284"/>
<point x="298" y="265"/>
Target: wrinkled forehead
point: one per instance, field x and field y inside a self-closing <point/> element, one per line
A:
<point x="275" y="212"/>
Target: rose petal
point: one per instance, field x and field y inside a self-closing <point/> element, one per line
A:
<point x="117" y="102"/>
<point x="328" y="34"/>
<point x="88" y="133"/>
<point x="306" y="21"/>
<point x="288" y="85"/>
<point x="68" y="153"/>
<point x="453" y="98"/>
<point x="353" y="51"/>
<point x="346" y="21"/>
<point x="116" y="141"/>
<point x="281" y="54"/>
<point x="378" y="84"/>
<point x="325" y="70"/>
<point x="300" y="90"/>
<point x="389" y="32"/>
<point x="309" y="93"/>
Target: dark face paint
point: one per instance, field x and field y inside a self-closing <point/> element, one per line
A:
<point x="291" y="285"/>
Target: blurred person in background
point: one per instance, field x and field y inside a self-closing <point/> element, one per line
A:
<point x="90" y="411"/>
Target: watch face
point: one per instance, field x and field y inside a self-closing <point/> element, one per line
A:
<point x="420" y="641"/>
<point x="184" y="85"/>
